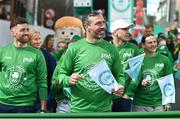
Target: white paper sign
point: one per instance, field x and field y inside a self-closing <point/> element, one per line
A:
<point x="102" y="75"/>
<point x="135" y="60"/>
<point x="166" y="85"/>
<point x="135" y="64"/>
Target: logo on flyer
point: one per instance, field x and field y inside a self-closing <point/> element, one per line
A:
<point x="168" y="90"/>
<point x="106" y="78"/>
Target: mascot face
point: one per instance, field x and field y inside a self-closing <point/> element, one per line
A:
<point x="66" y="33"/>
<point x="66" y="28"/>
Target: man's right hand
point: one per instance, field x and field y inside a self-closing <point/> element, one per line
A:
<point x="74" y="78"/>
<point x="145" y="82"/>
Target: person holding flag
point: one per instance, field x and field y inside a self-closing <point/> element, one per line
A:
<point x="80" y="57"/>
<point x="127" y="50"/>
<point x="147" y="93"/>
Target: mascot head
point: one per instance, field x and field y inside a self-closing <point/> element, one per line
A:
<point x="66" y="27"/>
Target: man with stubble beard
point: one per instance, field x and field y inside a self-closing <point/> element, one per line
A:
<point x="86" y="95"/>
<point x="22" y="72"/>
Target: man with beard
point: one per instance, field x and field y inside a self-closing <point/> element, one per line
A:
<point x="22" y="72"/>
<point x="86" y="95"/>
<point x="127" y="50"/>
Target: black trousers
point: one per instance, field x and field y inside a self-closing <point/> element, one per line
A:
<point x="121" y="105"/>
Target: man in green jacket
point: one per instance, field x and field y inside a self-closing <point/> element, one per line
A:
<point x="22" y="72"/>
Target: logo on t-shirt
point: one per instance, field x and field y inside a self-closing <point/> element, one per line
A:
<point x="105" y="56"/>
<point x="159" y="65"/>
<point x="16" y="75"/>
<point x="7" y="57"/>
<point x="26" y="59"/>
<point x="150" y="75"/>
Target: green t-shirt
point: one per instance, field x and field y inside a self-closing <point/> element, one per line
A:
<point x="22" y="72"/>
<point x="87" y="96"/>
<point x="153" y="67"/>
<point x="126" y="51"/>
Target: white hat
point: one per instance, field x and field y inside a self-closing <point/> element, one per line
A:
<point x="119" y="23"/>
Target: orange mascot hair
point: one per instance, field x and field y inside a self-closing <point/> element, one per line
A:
<point x="68" y="21"/>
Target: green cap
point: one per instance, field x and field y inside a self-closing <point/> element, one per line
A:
<point x="162" y="49"/>
<point x="76" y="37"/>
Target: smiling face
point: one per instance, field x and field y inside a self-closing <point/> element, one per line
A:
<point x="35" y="40"/>
<point x="21" y="33"/>
<point x="96" y="28"/>
<point x="150" y="45"/>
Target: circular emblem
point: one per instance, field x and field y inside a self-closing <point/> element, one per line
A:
<point x="49" y="13"/>
<point x="121" y="5"/>
<point x="16" y="76"/>
<point x="106" y="78"/>
<point x="149" y="75"/>
<point x="49" y="22"/>
<point x="168" y="90"/>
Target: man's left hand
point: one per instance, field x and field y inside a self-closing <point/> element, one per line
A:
<point x="119" y="92"/>
<point x="167" y="107"/>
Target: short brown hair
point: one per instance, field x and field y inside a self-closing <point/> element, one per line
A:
<point x="144" y="37"/>
<point x="18" y="20"/>
<point x="149" y="26"/>
<point x="86" y="18"/>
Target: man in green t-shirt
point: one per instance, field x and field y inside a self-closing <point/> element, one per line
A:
<point x="147" y="95"/>
<point x="22" y="72"/>
<point x="127" y="50"/>
<point x="86" y="94"/>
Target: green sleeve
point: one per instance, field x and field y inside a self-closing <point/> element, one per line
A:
<point x="54" y="79"/>
<point x="56" y="88"/>
<point x="41" y="79"/>
<point x="130" y="89"/>
<point x="54" y="85"/>
<point x="66" y="68"/>
<point x="117" y="70"/>
<point x="131" y="84"/>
